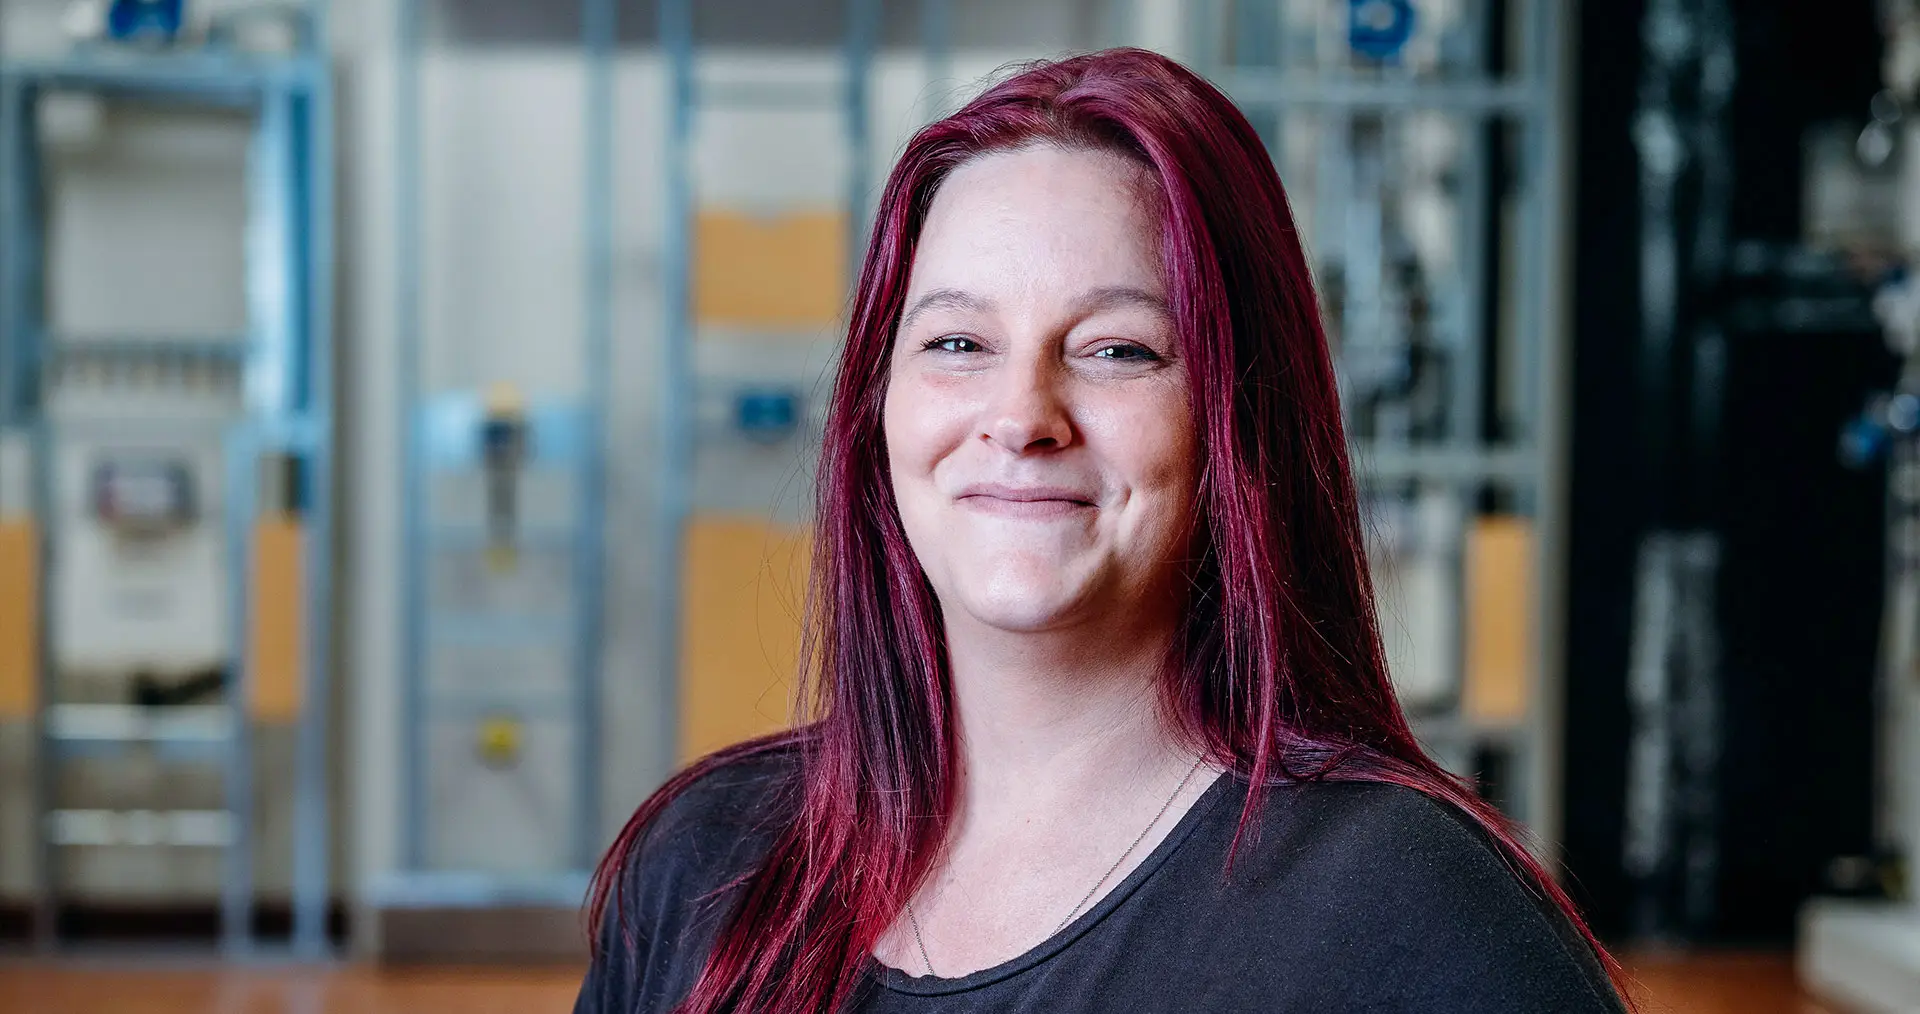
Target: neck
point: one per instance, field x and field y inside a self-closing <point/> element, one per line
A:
<point x="1044" y="718"/>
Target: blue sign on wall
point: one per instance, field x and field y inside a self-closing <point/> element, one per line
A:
<point x="141" y="20"/>
<point x="1379" y="28"/>
<point x="766" y="413"/>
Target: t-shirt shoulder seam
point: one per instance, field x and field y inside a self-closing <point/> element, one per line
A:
<point x="1515" y="882"/>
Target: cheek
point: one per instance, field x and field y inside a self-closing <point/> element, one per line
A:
<point x="917" y="429"/>
<point x="1150" y="440"/>
<point x="1166" y="476"/>
<point x="922" y="423"/>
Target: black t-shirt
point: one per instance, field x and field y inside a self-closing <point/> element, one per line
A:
<point x="1345" y="897"/>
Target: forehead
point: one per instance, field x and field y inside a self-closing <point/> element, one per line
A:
<point x="1041" y="222"/>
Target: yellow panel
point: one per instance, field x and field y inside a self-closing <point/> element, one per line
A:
<point x="745" y="588"/>
<point x="785" y="271"/>
<point x="277" y="598"/>
<point x="1500" y="655"/>
<point x="19" y="617"/>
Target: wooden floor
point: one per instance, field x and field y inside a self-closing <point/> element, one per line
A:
<point x="1719" y="984"/>
<point x="1695" y="984"/>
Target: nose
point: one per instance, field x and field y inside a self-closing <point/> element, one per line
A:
<point x="1029" y="410"/>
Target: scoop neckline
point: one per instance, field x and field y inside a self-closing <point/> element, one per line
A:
<point x="902" y="981"/>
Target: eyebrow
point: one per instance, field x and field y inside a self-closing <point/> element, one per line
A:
<point x="1110" y="297"/>
<point x="1106" y="297"/>
<point x="944" y="299"/>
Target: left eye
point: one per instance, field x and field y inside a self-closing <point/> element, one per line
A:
<point x="1125" y="352"/>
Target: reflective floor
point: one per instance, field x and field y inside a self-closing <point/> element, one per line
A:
<point x="1720" y="984"/>
<point x="1695" y="984"/>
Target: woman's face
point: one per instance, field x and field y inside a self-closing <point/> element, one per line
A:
<point x="1037" y="421"/>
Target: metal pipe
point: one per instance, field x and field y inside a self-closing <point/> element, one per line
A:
<point x="863" y="30"/>
<point x="676" y="375"/>
<point x="1465" y="422"/>
<point x="312" y="846"/>
<point x="22" y="318"/>
<point x="407" y="336"/>
<point x="1551" y="370"/>
<point x="236" y="878"/>
<point x="1469" y="343"/>
<point x="12" y="339"/>
<point x="599" y="37"/>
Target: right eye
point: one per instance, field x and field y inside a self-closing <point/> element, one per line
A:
<point x="951" y="343"/>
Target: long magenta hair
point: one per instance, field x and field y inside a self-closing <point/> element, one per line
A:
<point x="1278" y="673"/>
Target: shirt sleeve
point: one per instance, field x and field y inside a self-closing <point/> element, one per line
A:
<point x="1449" y="927"/>
<point x="612" y="984"/>
<point x="660" y="926"/>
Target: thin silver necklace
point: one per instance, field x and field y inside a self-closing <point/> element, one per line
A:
<point x="913" y="921"/>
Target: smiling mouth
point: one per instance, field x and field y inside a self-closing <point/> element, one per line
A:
<point x="1023" y="506"/>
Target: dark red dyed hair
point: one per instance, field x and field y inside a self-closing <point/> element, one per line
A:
<point x="1278" y="672"/>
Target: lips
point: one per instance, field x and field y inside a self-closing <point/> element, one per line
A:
<point x="1028" y="494"/>
<point x="1026" y="501"/>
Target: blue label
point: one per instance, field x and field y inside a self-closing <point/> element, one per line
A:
<point x="133" y="20"/>
<point x="1379" y="28"/>
<point x="764" y="413"/>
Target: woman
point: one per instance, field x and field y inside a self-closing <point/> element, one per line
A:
<point x="1100" y="717"/>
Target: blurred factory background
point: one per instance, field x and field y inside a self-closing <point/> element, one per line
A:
<point x="407" y="411"/>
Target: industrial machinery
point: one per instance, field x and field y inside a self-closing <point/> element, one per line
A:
<point x="1420" y="144"/>
<point x="1865" y="952"/>
<point x="502" y="500"/>
<point x="167" y="574"/>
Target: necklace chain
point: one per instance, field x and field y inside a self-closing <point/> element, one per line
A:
<point x="913" y="921"/>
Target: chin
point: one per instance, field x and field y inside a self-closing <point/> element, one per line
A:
<point x="1017" y="599"/>
<point x="1017" y="617"/>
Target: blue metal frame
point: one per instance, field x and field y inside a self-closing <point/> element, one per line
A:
<point x="312" y="817"/>
<point x="863" y="32"/>
<point x="408" y="323"/>
<point x="288" y="398"/>
<point x="599" y="36"/>
<point x="236" y="888"/>
<point x="676" y="375"/>
<point x="1545" y="377"/>
<point x="678" y="379"/>
<point x="440" y="429"/>
<point x="22" y="343"/>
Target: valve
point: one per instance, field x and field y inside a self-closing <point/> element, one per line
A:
<point x="503" y="454"/>
<point x="1864" y="439"/>
<point x="498" y="740"/>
